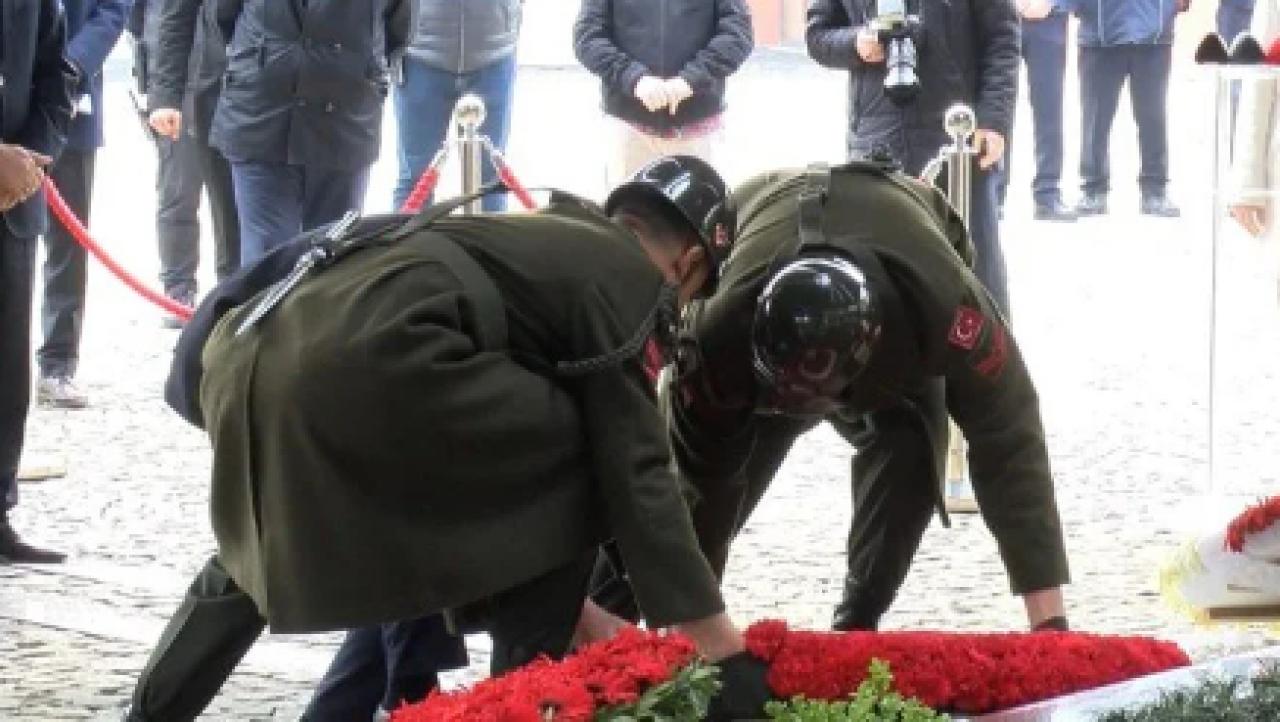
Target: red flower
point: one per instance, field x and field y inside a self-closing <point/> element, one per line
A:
<point x="1256" y="518"/>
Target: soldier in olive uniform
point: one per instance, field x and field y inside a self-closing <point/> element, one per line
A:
<point x="849" y="298"/>
<point x="454" y="414"/>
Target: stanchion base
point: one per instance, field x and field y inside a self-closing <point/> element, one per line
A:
<point x="41" y="471"/>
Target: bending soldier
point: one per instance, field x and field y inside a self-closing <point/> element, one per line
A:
<point x="453" y="414"/>
<point x="849" y="298"/>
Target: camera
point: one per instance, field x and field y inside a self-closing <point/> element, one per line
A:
<point x="897" y="27"/>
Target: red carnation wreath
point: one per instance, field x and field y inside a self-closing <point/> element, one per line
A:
<point x="971" y="673"/>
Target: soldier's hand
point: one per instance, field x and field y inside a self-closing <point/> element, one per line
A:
<point x="652" y="92"/>
<point x="1251" y="216"/>
<point x="678" y="91"/>
<point x="868" y="46"/>
<point x="1034" y="9"/>
<point x="744" y="689"/>
<point x="166" y="122"/>
<point x="595" y="624"/>
<point x="990" y="145"/>
<point x="20" y="174"/>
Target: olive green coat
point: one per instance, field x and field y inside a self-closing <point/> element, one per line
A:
<point x="946" y="327"/>
<point x="372" y="464"/>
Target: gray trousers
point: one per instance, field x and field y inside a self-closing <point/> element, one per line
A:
<point x="65" y="268"/>
<point x="188" y="166"/>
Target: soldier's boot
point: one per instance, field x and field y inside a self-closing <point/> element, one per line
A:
<point x="860" y="609"/>
<point x="206" y="638"/>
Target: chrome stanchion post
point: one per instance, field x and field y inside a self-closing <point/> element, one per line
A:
<point x="468" y="114"/>
<point x="960" y="125"/>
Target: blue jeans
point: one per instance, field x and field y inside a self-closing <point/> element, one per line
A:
<point x="277" y="201"/>
<point x="1103" y="71"/>
<point x="424" y="108"/>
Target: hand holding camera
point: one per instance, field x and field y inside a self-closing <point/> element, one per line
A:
<point x="868" y="46"/>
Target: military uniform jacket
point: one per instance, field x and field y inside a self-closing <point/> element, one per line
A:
<point x="945" y="326"/>
<point x="373" y="463"/>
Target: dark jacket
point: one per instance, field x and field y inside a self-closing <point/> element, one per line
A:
<point x="920" y="243"/>
<point x="460" y="36"/>
<point x="412" y="469"/>
<point x="1125" y="22"/>
<point x="93" y="27"/>
<point x="186" y="57"/>
<point x="968" y="54"/>
<point x="35" y="93"/>
<point x="702" y="41"/>
<point x="305" y="81"/>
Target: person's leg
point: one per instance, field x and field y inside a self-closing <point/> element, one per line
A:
<point x="65" y="271"/>
<point x="269" y="200"/>
<point x="355" y="682"/>
<point x="495" y="84"/>
<point x="178" y="185"/>
<point x="17" y="272"/>
<point x="896" y="485"/>
<point x="1149" y="91"/>
<point x="206" y="638"/>
<point x="1102" y="74"/>
<point x="424" y="108"/>
<point x="415" y="651"/>
<point x="215" y="171"/>
<point x="1046" y="61"/>
<point x="328" y="194"/>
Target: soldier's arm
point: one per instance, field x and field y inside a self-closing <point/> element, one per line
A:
<point x="991" y="396"/>
<point x="645" y="510"/>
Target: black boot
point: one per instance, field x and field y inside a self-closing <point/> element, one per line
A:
<point x="15" y="551"/>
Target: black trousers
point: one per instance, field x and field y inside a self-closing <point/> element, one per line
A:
<point x="896" y="482"/>
<point x="17" y="269"/>
<point x="217" y="623"/>
<point x="187" y="166"/>
<point x="66" y="268"/>
<point x="1103" y="71"/>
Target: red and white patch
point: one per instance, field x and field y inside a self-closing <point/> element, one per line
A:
<point x="966" y="328"/>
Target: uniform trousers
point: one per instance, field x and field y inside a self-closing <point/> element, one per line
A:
<point x="217" y="623"/>
<point x="17" y="268"/>
<point x="896" y="478"/>
<point x="66" y="268"/>
<point x="1103" y="71"/>
<point x="188" y="166"/>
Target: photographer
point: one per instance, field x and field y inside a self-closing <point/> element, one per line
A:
<point x="965" y="51"/>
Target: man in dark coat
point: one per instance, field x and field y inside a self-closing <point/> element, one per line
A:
<point x="453" y="415"/>
<point x="180" y="60"/>
<point x="35" y="110"/>
<point x="300" y="115"/>
<point x="848" y="299"/>
<point x="968" y="53"/>
<point x="93" y="27"/>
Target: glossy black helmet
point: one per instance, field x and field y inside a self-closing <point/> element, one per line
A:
<point x="699" y="194"/>
<point x="816" y="327"/>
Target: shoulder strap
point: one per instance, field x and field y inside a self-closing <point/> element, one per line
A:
<point x="490" y="312"/>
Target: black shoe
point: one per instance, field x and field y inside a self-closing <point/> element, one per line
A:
<point x="1158" y="205"/>
<point x="1091" y="204"/>
<point x="1054" y="210"/>
<point x="16" y="551"/>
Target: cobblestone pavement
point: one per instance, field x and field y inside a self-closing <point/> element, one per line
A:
<point x="1113" y="315"/>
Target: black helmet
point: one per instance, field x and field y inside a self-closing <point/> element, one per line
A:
<point x="700" y="195"/>
<point x="816" y="325"/>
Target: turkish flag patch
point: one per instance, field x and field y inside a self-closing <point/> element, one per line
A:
<point x="966" y="328"/>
